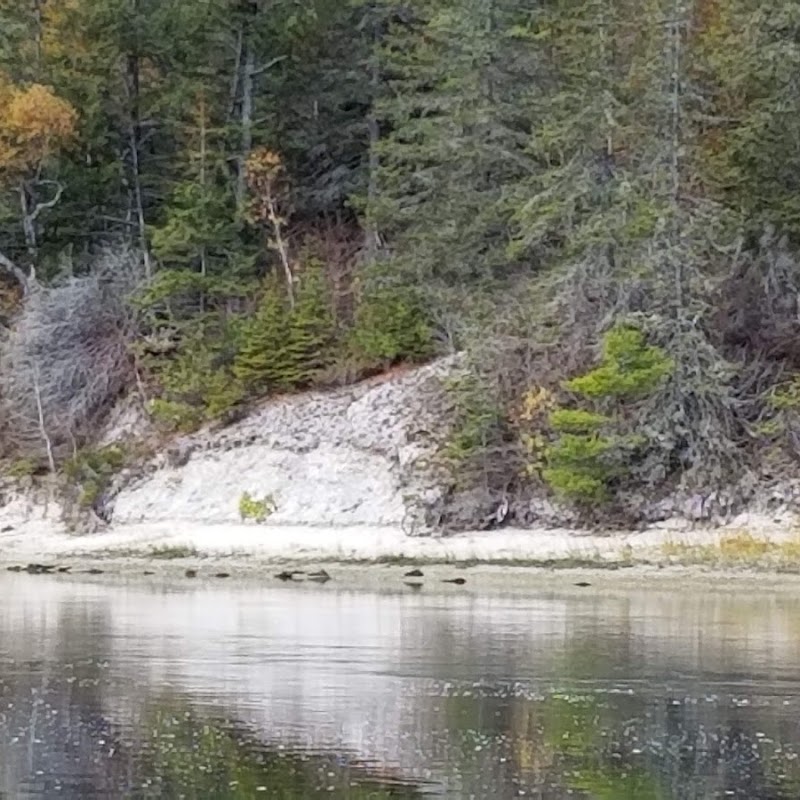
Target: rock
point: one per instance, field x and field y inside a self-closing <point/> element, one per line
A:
<point x="190" y="573"/>
<point x="39" y="569"/>
<point x="179" y="452"/>
<point x="344" y="457"/>
<point x="289" y="576"/>
<point x="319" y="577"/>
<point x="415" y="573"/>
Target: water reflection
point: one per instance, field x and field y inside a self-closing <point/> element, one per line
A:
<point x="135" y="691"/>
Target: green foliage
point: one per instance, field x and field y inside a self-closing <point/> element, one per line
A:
<point x="311" y="337"/>
<point x="476" y="420"/>
<point x="630" y="368"/>
<point x="257" y="510"/>
<point x="283" y="348"/>
<point x="786" y="397"/>
<point x="576" y="420"/>
<point x="391" y="325"/>
<point x="261" y="358"/>
<point x="589" y="452"/>
<point x="196" y="384"/>
<point x="21" y="468"/>
<point x="91" y="471"/>
<point x="176" y="293"/>
<point x="174" y="416"/>
<point x="579" y="467"/>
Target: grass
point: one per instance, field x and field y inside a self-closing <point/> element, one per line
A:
<point x="174" y="552"/>
<point x="738" y="549"/>
<point x="564" y="562"/>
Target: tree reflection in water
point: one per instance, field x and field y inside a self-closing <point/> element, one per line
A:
<point x="380" y="697"/>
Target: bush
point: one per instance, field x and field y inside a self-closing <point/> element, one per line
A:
<point x="256" y="510"/>
<point x="91" y="471"/>
<point x="175" y="416"/>
<point x="22" y="468"/>
<point x="311" y="336"/>
<point x="193" y="379"/>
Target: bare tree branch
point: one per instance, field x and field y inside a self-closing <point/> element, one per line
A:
<point x="8" y="266"/>
<point x="59" y="190"/>
<point x="68" y="356"/>
<point x="268" y="66"/>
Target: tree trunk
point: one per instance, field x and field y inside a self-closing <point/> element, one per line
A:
<point x="28" y="223"/>
<point x="42" y="427"/>
<point x="134" y="139"/>
<point x="374" y="131"/>
<point x="675" y="66"/>
<point x="246" y="117"/>
<point x="281" y="247"/>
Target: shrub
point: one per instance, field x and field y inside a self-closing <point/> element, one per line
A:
<point x="91" y="471"/>
<point x="195" y="383"/>
<point x="175" y="416"/>
<point x="251" y="508"/>
<point x="311" y="335"/>
<point x="576" y="420"/>
<point x="21" y="468"/>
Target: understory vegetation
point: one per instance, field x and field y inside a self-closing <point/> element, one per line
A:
<point x="207" y="202"/>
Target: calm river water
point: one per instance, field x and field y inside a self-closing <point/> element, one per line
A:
<point x="239" y="691"/>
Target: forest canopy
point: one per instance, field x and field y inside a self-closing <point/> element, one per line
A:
<point x="595" y="202"/>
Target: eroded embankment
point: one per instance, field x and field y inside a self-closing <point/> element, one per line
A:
<point x="344" y="475"/>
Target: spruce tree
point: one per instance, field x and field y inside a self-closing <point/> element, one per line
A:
<point x="262" y="362"/>
<point x="311" y="335"/>
<point x="454" y="138"/>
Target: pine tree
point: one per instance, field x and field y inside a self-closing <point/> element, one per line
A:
<point x="751" y="142"/>
<point x="455" y="139"/>
<point x="200" y="229"/>
<point x="311" y="334"/>
<point x="262" y="363"/>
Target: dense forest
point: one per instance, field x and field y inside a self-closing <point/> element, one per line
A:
<point x="595" y="202"/>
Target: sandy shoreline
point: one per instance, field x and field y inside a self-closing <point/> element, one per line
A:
<point x="367" y="557"/>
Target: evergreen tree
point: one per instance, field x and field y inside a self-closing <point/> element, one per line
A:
<point x="455" y="78"/>
<point x="751" y="142"/>
<point x="262" y="362"/>
<point x="311" y="335"/>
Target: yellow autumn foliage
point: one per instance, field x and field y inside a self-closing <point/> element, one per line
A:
<point x="34" y="124"/>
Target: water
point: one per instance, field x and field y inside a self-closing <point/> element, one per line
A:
<point x="143" y="691"/>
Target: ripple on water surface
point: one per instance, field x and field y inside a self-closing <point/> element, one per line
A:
<point x="239" y="692"/>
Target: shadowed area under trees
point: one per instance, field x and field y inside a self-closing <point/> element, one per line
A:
<point x="204" y="202"/>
